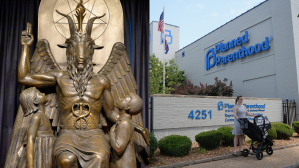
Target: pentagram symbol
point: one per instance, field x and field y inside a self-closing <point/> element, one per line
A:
<point x="93" y="8"/>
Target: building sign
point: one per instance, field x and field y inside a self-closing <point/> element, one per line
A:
<point x="256" y="109"/>
<point x="241" y="53"/>
<point x="200" y="115"/>
<point x="167" y="35"/>
<point x="189" y="115"/>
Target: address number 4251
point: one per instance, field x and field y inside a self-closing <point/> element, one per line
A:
<point x="203" y="114"/>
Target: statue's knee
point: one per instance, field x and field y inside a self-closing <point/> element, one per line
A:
<point x="99" y="157"/>
<point x="67" y="159"/>
<point x="102" y="158"/>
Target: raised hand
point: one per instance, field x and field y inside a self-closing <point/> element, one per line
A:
<point x="26" y="36"/>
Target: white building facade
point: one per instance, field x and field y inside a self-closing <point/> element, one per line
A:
<point x="258" y="51"/>
<point x="156" y="45"/>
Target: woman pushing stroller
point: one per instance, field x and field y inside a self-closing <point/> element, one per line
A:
<point x="239" y="112"/>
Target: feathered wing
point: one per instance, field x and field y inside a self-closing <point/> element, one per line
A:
<point x="42" y="61"/>
<point x="123" y="82"/>
<point x="52" y="111"/>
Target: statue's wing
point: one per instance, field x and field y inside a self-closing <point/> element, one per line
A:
<point x="123" y="82"/>
<point x="119" y="71"/>
<point x="16" y="149"/>
<point x="42" y="61"/>
<point x="52" y="111"/>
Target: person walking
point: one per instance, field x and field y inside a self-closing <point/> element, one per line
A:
<point x="239" y="112"/>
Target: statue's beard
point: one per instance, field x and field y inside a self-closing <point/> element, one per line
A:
<point x="80" y="78"/>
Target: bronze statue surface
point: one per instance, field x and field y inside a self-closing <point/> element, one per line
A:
<point x="122" y="133"/>
<point x="40" y="136"/>
<point x="83" y="101"/>
<point x="106" y="31"/>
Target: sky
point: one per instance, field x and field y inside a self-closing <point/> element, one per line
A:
<point x="196" y="18"/>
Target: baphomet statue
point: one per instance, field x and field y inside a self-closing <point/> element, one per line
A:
<point x="87" y="120"/>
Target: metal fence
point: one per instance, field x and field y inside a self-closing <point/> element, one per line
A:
<point x="289" y="111"/>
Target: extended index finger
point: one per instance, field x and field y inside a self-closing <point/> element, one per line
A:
<point x="28" y="28"/>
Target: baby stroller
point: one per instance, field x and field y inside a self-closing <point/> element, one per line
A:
<point x="257" y="131"/>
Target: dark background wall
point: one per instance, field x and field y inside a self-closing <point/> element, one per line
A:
<point x="14" y="14"/>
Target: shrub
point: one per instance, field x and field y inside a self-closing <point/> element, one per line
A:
<point x="284" y="131"/>
<point x="272" y="134"/>
<point x="153" y="144"/>
<point x="219" y="88"/>
<point x="209" y="139"/>
<point x="186" y="88"/>
<point x="296" y="126"/>
<point x="228" y="137"/>
<point x="175" y="145"/>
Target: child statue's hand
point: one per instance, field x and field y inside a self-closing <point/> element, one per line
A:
<point x="145" y="134"/>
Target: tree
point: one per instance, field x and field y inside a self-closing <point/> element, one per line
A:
<point x="155" y="74"/>
<point x="172" y="76"/>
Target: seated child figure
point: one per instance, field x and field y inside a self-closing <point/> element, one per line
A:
<point x="40" y="138"/>
<point x="122" y="133"/>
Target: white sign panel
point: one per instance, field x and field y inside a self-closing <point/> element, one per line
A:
<point x="190" y="115"/>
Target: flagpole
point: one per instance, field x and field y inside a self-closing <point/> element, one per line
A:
<point x="164" y="37"/>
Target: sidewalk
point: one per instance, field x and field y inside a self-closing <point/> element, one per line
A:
<point x="287" y="157"/>
<point x="283" y="156"/>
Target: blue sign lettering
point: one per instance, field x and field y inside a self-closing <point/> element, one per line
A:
<point x="226" y="106"/>
<point x="229" y="119"/>
<point x="203" y="113"/>
<point x="229" y="115"/>
<point x="255" y="106"/>
<point x="220" y="105"/>
<point x="229" y="108"/>
<point x="241" y="53"/>
<point x="167" y="35"/>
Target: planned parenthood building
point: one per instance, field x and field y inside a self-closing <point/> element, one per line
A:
<point x="156" y="44"/>
<point x="258" y="51"/>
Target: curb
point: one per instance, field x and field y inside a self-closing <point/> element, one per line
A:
<point x="292" y="166"/>
<point x="181" y="164"/>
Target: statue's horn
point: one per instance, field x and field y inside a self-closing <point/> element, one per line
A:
<point x="71" y="22"/>
<point x="90" y="23"/>
<point x="62" y="45"/>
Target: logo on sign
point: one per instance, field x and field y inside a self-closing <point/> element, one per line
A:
<point x="241" y="53"/>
